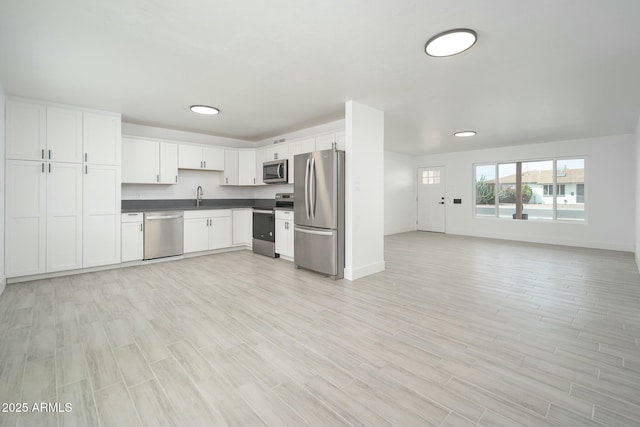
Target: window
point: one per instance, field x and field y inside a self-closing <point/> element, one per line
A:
<point x="548" y="190"/>
<point x="485" y="190"/>
<point x="534" y="182"/>
<point x="431" y="177"/>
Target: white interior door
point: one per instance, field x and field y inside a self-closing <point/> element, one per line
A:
<point x="431" y="199"/>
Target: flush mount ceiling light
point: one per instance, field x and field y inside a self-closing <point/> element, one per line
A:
<point x="465" y="133"/>
<point x="204" y="109"/>
<point x="450" y="42"/>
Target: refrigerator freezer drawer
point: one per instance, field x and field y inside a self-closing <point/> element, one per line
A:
<point x="317" y="250"/>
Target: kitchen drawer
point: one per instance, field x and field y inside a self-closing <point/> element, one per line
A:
<point x="210" y="213"/>
<point x="132" y="217"/>
<point x="286" y="215"/>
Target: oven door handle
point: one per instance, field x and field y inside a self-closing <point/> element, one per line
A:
<point x="280" y="170"/>
<point x="262" y="211"/>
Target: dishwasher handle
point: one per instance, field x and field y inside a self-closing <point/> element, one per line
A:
<point x="164" y="217"/>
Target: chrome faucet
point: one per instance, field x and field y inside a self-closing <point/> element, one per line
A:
<point x="199" y="196"/>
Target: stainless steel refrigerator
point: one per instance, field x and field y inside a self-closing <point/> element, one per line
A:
<point x="319" y="212"/>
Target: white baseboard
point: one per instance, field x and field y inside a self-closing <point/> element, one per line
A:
<point x="366" y="270"/>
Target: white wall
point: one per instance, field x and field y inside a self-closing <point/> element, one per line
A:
<point x="2" y="189"/>
<point x="399" y="193"/>
<point x="637" y="192"/>
<point x="364" y="191"/>
<point x="609" y="195"/>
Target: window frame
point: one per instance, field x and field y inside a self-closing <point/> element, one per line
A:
<point x="555" y="160"/>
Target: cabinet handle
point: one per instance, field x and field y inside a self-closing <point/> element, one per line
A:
<point x="43" y="154"/>
<point x="49" y="167"/>
<point x="49" y="154"/>
<point x="141" y="227"/>
<point x="205" y="164"/>
<point x="85" y="157"/>
<point x="86" y="170"/>
<point x="254" y="180"/>
<point x="176" y="178"/>
<point x="157" y="178"/>
<point x="201" y="164"/>
<point x="43" y="166"/>
<point x="226" y="180"/>
<point x="275" y="156"/>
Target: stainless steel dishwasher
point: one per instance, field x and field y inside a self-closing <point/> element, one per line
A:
<point x="163" y="234"/>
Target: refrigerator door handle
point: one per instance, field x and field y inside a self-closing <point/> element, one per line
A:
<point x="312" y="189"/>
<point x="316" y="232"/>
<point x="306" y="188"/>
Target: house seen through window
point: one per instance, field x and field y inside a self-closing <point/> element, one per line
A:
<point x="547" y="190"/>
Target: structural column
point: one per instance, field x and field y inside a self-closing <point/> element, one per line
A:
<point x="364" y="191"/>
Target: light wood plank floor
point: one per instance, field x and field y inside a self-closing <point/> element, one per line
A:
<point x="457" y="332"/>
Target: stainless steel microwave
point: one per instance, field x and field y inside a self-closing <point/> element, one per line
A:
<point x="275" y="172"/>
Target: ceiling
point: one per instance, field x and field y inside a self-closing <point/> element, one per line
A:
<point x="541" y="71"/>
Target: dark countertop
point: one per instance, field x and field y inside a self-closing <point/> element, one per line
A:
<point x="129" y="206"/>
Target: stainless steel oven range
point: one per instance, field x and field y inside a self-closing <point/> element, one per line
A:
<point x="264" y="226"/>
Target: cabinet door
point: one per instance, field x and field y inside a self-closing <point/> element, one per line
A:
<point x="281" y="237"/>
<point x="196" y="234"/>
<point x="168" y="163"/>
<point x="102" y="138"/>
<point x="25" y="229"/>
<point x="213" y="159"/>
<point x="189" y="157"/>
<point x="325" y="142"/>
<point x="341" y="141"/>
<point x="101" y="215"/>
<point x="140" y="161"/>
<point x="132" y="241"/>
<point x="242" y="227"/>
<point x="299" y="147"/>
<point x="25" y="130"/>
<point x="261" y="157"/>
<point x="290" y="238"/>
<point x="220" y="233"/>
<point x="247" y="167"/>
<point x="64" y="216"/>
<point x="230" y="167"/>
<point x="64" y="135"/>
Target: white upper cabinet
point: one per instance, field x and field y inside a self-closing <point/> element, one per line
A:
<point x="300" y="146"/>
<point x="37" y="131"/>
<point x="230" y="167"/>
<point x="64" y="135"/>
<point x="140" y="161"/>
<point x="200" y="157"/>
<point x="261" y="157"/>
<point x="149" y="162"/>
<point x="277" y="152"/>
<point x="213" y="159"/>
<point x="326" y="141"/>
<point x="102" y="138"/>
<point x="247" y="167"/>
<point x="239" y="167"/>
<point x="168" y="163"/>
<point x="26" y="127"/>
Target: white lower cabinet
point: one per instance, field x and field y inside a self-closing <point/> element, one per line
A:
<point x="284" y="234"/>
<point x="26" y="220"/>
<point x="101" y="215"/>
<point x="242" y="227"/>
<point x="132" y="236"/>
<point x="207" y="230"/>
<point x="64" y="216"/>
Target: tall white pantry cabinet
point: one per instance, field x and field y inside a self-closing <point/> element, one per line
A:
<point x="62" y="188"/>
